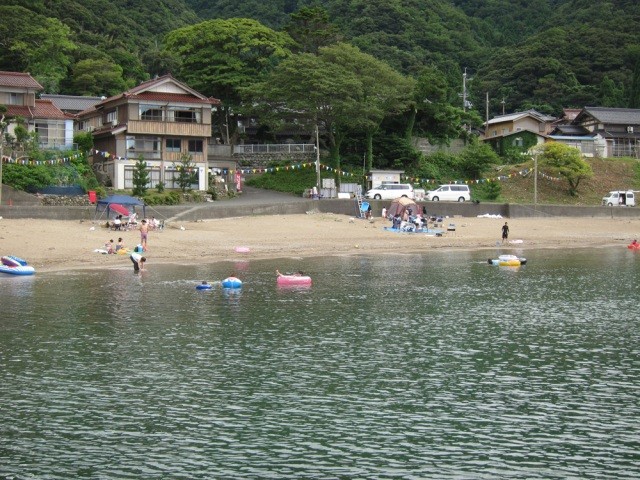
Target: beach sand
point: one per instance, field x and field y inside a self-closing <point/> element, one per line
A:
<point x="51" y="245"/>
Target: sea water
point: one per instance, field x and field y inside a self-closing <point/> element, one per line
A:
<point x="433" y="365"/>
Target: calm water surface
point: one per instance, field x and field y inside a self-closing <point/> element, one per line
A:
<point x="412" y="367"/>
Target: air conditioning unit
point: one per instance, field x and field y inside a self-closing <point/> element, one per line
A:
<point x="90" y="128"/>
<point x="114" y="122"/>
<point x="629" y="129"/>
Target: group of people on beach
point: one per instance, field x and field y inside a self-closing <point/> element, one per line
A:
<point x="136" y="256"/>
<point x="408" y="221"/>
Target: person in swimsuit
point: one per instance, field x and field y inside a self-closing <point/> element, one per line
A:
<point x="144" y="232"/>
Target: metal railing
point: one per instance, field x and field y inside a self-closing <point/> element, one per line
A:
<point x="293" y="148"/>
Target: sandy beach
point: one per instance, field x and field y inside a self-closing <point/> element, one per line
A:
<point x="51" y="245"/>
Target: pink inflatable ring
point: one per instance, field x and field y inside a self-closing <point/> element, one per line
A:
<point x="293" y="280"/>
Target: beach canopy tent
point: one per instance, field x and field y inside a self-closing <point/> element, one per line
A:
<point x="119" y="204"/>
<point x="399" y="205"/>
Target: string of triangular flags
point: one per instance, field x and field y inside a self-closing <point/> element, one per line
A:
<point x="30" y="161"/>
<point x="297" y="166"/>
<point x="252" y="169"/>
<point x="498" y="178"/>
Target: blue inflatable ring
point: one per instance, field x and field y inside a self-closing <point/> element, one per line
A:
<point x="231" y="282"/>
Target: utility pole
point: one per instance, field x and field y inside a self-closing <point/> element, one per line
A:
<point x="464" y="90"/>
<point x="486" y="115"/>
<point x="3" y="127"/>
<point x="318" y="157"/>
<point x="535" y="182"/>
<point x="503" y="102"/>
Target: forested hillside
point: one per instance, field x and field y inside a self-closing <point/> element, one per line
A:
<point x="546" y="54"/>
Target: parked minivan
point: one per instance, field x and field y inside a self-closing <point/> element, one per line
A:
<point x="389" y="191"/>
<point x="619" y="197"/>
<point x="450" y="193"/>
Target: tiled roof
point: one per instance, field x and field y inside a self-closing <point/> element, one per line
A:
<point x="620" y="116"/>
<point x="541" y="117"/>
<point x="43" y="109"/>
<point x="144" y="85"/>
<point x="145" y="88"/>
<point x="19" y="79"/>
<point x="46" y="109"/>
<point x="73" y="103"/>
<point x="173" y="97"/>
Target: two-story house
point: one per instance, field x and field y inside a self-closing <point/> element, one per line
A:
<point x="619" y="129"/>
<point x="18" y="92"/>
<point x="520" y="130"/>
<point x="161" y="120"/>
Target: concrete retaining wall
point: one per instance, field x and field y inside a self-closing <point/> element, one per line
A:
<point x="226" y="209"/>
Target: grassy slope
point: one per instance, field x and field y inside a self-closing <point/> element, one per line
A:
<point x="608" y="174"/>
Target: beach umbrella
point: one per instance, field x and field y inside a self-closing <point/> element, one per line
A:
<point x="116" y="207"/>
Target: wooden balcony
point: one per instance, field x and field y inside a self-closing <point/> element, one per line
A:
<point x="178" y="129"/>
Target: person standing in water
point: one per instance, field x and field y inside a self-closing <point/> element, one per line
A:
<point x="138" y="261"/>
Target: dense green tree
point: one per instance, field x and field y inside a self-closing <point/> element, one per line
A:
<point x="312" y="91"/>
<point x="98" y="77"/>
<point x="84" y="140"/>
<point x="140" y="177"/>
<point x="564" y="161"/>
<point x="187" y="172"/>
<point x="383" y="91"/>
<point x="35" y="43"/>
<point x="475" y="160"/>
<point x="220" y="56"/>
<point x="311" y="29"/>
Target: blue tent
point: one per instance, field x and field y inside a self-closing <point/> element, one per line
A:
<point x="126" y="201"/>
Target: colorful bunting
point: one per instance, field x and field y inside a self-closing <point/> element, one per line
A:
<point x="499" y="178"/>
<point x="327" y="168"/>
<point x="30" y="161"/>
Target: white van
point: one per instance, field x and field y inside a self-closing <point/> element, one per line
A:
<point x="389" y="191"/>
<point x="623" y="198"/>
<point x="450" y="193"/>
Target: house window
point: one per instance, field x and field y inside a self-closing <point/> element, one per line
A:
<point x="51" y="134"/>
<point x="185" y="114"/>
<point x="112" y="117"/>
<point x="16" y="99"/>
<point x="173" y="145"/>
<point x="148" y="147"/>
<point x="195" y="146"/>
<point x="171" y="176"/>
<point x="151" y="113"/>
<point x="518" y="142"/>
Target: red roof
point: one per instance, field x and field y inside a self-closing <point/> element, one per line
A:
<point x="44" y="109"/>
<point x="142" y="92"/>
<point x="19" y="79"/>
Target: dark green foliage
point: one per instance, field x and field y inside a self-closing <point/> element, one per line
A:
<point x="488" y="191"/>
<point x="294" y="181"/>
<point x="84" y="140"/>
<point x="166" y="198"/>
<point x="27" y="177"/>
<point x="187" y="172"/>
<point x="140" y="177"/>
